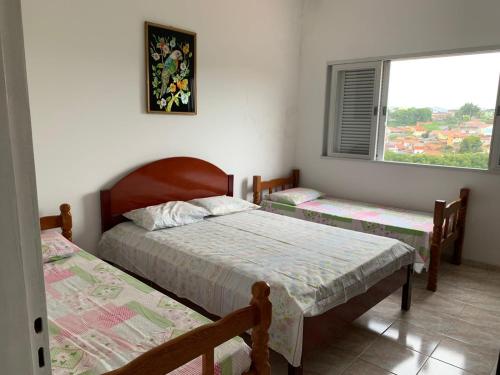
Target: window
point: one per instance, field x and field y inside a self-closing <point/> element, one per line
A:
<point x="432" y="110"/>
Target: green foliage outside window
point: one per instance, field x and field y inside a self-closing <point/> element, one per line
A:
<point x="467" y="160"/>
<point x="471" y="144"/>
<point x="408" y="116"/>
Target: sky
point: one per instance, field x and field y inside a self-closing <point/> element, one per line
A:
<point x="445" y="82"/>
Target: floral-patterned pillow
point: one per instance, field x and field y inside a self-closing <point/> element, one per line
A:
<point x="55" y="246"/>
<point x="295" y="196"/>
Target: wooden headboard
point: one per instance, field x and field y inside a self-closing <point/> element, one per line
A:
<point x="291" y="181"/>
<point x="63" y="221"/>
<point x="171" y="179"/>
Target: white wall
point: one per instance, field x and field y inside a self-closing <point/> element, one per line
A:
<point x="339" y="30"/>
<point x="85" y="62"/>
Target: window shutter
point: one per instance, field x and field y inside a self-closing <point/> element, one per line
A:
<point x="354" y="104"/>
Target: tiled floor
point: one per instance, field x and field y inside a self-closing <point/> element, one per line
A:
<point x="451" y="332"/>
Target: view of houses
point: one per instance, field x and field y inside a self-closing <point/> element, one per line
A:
<point x="459" y="137"/>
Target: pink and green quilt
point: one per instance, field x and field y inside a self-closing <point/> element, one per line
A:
<point x="411" y="227"/>
<point x="100" y="318"/>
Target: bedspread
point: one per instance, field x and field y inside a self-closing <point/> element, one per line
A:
<point x="311" y="268"/>
<point x="100" y="318"/>
<point x="411" y="227"/>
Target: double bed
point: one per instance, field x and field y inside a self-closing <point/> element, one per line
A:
<point x="317" y="274"/>
<point x="102" y="320"/>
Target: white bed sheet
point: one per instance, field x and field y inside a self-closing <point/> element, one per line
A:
<point x="311" y="267"/>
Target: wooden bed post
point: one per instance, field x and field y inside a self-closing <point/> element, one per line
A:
<point x="105" y="210"/>
<point x="230" y="185"/>
<point x="295" y="177"/>
<point x="462" y="213"/>
<point x="406" y="299"/>
<point x="66" y="221"/>
<point x="260" y="335"/>
<point x="437" y="235"/>
<point x="257" y="189"/>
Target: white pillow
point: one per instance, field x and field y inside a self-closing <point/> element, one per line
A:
<point x="295" y="196"/>
<point x="223" y="205"/>
<point x="166" y="215"/>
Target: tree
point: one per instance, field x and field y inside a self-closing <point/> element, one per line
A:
<point x="409" y="116"/>
<point x="471" y="144"/>
<point x="487" y="116"/>
<point x="468" y="111"/>
<point x="448" y="149"/>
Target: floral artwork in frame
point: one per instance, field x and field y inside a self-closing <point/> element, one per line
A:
<point x="170" y="70"/>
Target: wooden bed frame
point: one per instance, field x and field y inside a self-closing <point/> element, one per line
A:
<point x="200" y="341"/>
<point x="183" y="178"/>
<point x="449" y="221"/>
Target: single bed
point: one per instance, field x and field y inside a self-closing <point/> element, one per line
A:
<point x="318" y="274"/>
<point x="429" y="233"/>
<point x="102" y="320"/>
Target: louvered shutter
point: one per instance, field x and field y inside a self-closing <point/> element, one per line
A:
<point x="354" y="102"/>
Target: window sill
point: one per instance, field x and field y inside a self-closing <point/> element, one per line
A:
<point x="441" y="167"/>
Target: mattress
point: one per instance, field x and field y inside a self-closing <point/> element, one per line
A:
<point x="310" y="267"/>
<point x="411" y="227"/>
<point x="100" y="318"/>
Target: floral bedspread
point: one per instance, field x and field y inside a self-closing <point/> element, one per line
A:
<point x="411" y="227"/>
<point x="100" y="318"/>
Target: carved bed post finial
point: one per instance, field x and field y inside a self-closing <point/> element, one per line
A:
<point x="256" y="189"/>
<point x="260" y="335"/>
<point x="295" y="177"/>
<point x="66" y="221"/>
<point x="437" y="236"/>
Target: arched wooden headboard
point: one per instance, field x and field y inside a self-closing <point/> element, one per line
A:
<point x="171" y="179"/>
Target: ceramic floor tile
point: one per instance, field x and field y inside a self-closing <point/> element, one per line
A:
<point x="353" y="339"/>
<point x="389" y="308"/>
<point x="420" y="280"/>
<point x="431" y="320"/>
<point x="413" y="337"/>
<point x="471" y="358"/>
<point x="437" y="302"/>
<point x="393" y="357"/>
<point x="329" y="361"/>
<point x="472" y="286"/>
<point x="485" y="301"/>
<point x="360" y="367"/>
<point x="476" y="315"/>
<point x="374" y="322"/>
<point x="474" y="334"/>
<point x="435" y="367"/>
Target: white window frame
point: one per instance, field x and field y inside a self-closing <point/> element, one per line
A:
<point x="382" y="117"/>
<point x="377" y="144"/>
<point x="495" y="138"/>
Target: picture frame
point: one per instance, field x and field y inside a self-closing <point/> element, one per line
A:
<point x="170" y="70"/>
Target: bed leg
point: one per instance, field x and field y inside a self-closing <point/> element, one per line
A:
<point x="295" y="370"/>
<point x="406" y="299"/>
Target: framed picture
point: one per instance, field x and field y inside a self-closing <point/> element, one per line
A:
<point x="170" y="70"/>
